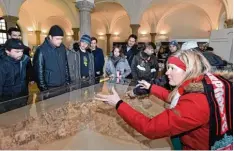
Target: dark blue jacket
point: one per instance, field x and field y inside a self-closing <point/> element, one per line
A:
<point x="131" y="53"/>
<point x="13" y="83"/>
<point x="99" y="61"/>
<point x="214" y="59"/>
<point x="51" y="66"/>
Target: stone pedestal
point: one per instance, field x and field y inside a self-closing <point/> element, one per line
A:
<point x="108" y="36"/>
<point x="38" y="37"/>
<point x="85" y="7"/>
<point x="135" y="28"/>
<point x="11" y="21"/>
<point x="75" y="33"/>
<point x="229" y="23"/>
<point x="153" y="35"/>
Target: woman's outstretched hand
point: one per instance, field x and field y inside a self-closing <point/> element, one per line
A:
<point x="143" y="84"/>
<point x="112" y="99"/>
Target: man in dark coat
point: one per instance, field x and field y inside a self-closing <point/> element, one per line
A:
<point x="50" y="61"/>
<point x="13" y="76"/>
<point x="15" y="33"/>
<point x="130" y="50"/>
<point x="99" y="59"/>
<point x="144" y="67"/>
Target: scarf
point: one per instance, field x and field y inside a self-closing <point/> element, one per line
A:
<point x="220" y="98"/>
<point x="115" y="60"/>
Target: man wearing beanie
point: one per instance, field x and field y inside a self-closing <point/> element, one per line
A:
<point x="81" y="61"/>
<point x="50" y="61"/>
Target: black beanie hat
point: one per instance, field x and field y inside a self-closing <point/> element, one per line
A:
<point x="56" y="31"/>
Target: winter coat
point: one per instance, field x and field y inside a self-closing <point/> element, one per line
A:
<point x="13" y="77"/>
<point x="213" y="59"/>
<point x="75" y="67"/>
<point x="143" y="69"/>
<point x="99" y="61"/>
<point x="189" y="118"/>
<point x="131" y="53"/>
<point x="51" y="66"/>
<point x="122" y="66"/>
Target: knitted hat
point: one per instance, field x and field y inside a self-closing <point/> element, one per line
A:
<point x="174" y="43"/>
<point x="56" y="31"/>
<point x="86" y="39"/>
<point x="189" y="45"/>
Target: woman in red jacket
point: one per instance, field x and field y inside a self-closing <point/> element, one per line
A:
<point x="200" y="105"/>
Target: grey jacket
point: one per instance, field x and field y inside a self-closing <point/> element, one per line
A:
<point x="73" y="58"/>
<point x="121" y="66"/>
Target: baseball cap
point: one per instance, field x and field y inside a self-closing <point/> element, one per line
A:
<point x="14" y="44"/>
<point x="174" y="43"/>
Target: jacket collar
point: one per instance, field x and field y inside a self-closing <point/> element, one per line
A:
<point x="48" y="43"/>
<point x="8" y="58"/>
<point x="197" y="86"/>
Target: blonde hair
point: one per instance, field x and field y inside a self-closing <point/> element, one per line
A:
<point x="196" y="65"/>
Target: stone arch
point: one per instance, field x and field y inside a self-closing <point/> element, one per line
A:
<point x="179" y="6"/>
<point x="170" y="25"/>
<point x="100" y="32"/>
<point x="70" y="13"/>
<point x="57" y="8"/>
<point x="116" y="19"/>
<point x="151" y="19"/>
<point x="59" y="20"/>
<point x="225" y="4"/>
<point x="103" y="19"/>
<point x="109" y="14"/>
<point x="222" y="18"/>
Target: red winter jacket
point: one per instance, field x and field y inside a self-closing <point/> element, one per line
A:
<point x="189" y="118"/>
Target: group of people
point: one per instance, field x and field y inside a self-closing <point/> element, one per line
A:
<point x="200" y="114"/>
<point x="54" y="65"/>
<point x="201" y="102"/>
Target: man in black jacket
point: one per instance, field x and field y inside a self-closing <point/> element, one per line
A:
<point x="99" y="59"/>
<point x="13" y="76"/>
<point x="14" y="33"/>
<point x="144" y="67"/>
<point x="50" y="61"/>
<point x="130" y="50"/>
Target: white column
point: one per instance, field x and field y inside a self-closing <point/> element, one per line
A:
<point x="85" y="7"/>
